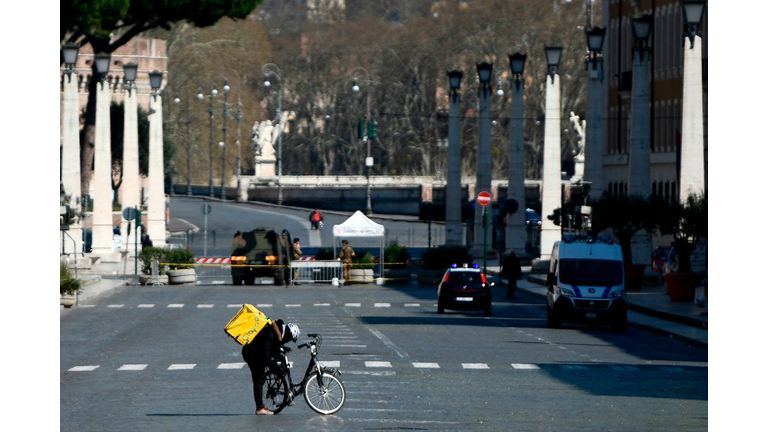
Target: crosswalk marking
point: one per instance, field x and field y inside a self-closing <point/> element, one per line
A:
<point x="132" y="367"/>
<point x="426" y="365"/>
<point x="474" y="366"/>
<point x="83" y="368"/>
<point x="181" y="366"/>
<point x="231" y="366"/>
<point x="378" y="364"/>
<point x="331" y="364"/>
<point x="524" y="366"/>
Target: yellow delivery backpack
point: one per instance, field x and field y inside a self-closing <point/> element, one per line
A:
<point x="246" y="324"/>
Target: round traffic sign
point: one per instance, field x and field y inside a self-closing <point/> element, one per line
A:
<point x="206" y="209"/>
<point x="483" y="198"/>
<point x="129" y="213"/>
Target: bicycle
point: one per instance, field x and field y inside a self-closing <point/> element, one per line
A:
<point x="323" y="390"/>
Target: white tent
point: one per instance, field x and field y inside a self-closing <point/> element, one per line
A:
<point x="358" y="225"/>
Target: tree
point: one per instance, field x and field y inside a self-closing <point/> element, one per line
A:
<point x="109" y="24"/>
<point x="687" y="222"/>
<point x="625" y="215"/>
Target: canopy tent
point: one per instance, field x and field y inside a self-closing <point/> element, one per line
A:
<point x="358" y="225"/>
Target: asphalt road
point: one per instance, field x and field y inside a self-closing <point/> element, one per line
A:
<point x="156" y="358"/>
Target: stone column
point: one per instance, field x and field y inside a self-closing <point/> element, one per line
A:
<point x="551" y="181"/>
<point x="515" y="223"/>
<point x="102" y="173"/>
<point x="156" y="195"/>
<point x="131" y="187"/>
<point x="453" y="225"/>
<point x="483" y="181"/>
<point x="640" y="148"/>
<point x="692" y="180"/>
<point x="70" y="162"/>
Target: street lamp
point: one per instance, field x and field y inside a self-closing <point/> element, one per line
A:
<point x="200" y="96"/>
<point x="70" y="52"/>
<point x="595" y="40"/>
<point x="357" y="73"/>
<point x="483" y="182"/>
<point x="693" y="13"/>
<point x="453" y="225"/>
<point x="271" y="69"/>
<point x="641" y="30"/>
<point x="226" y="89"/>
<point x="551" y="178"/>
<point x="553" y="55"/>
<point x="102" y="66"/>
<point x="593" y="151"/>
<point x="238" y="117"/>
<point x="156" y="221"/>
<point x="70" y="141"/>
<point x="514" y="232"/>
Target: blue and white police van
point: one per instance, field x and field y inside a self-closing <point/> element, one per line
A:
<point x="585" y="283"/>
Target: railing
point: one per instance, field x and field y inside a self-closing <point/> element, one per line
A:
<point x="316" y="271"/>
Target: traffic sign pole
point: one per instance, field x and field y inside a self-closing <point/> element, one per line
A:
<point x="484" y="198"/>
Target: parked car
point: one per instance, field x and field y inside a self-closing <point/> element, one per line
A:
<point x="532" y="219"/>
<point x="464" y="288"/>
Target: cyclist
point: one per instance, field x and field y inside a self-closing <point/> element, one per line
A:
<point x="260" y="353"/>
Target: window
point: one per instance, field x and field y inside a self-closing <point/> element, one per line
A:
<point x="591" y="272"/>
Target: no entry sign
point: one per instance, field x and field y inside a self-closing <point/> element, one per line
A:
<point x="483" y="198"/>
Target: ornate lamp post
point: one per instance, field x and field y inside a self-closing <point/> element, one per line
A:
<point x="692" y="174"/>
<point x="201" y="96"/>
<point x="515" y="222"/>
<point x="552" y="177"/>
<point x="453" y="226"/>
<point x="640" y="128"/>
<point x="357" y="73"/>
<point x="593" y="142"/>
<point x="156" y="201"/>
<point x="483" y="177"/>
<point x="70" y="151"/>
<point x="102" y="172"/>
<point x="131" y="181"/>
<point x="271" y="69"/>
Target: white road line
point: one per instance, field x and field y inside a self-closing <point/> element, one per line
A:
<point x="412" y="304"/>
<point x="371" y="373"/>
<point x="292" y="305"/>
<point x="352" y="305"/>
<point x="234" y="305"/>
<point x="86" y="306"/>
<point x="115" y="306"/>
<point x="348" y="346"/>
<point x="332" y="363"/>
<point x="426" y="365"/>
<point x="218" y="282"/>
<point x="387" y="342"/>
<point x="524" y="366"/>
<point x="474" y="366"/>
<point x="176" y="305"/>
<point x="132" y="367"/>
<point x="382" y="305"/>
<point x="83" y="368"/>
<point x="322" y="304"/>
<point x="263" y="305"/>
<point x="146" y="305"/>
<point x="181" y="366"/>
<point x="231" y="366"/>
<point x="378" y="364"/>
<point x="204" y="306"/>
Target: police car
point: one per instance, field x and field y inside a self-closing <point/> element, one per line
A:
<point x="464" y="288"/>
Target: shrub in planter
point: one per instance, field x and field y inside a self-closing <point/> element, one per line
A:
<point x="68" y="284"/>
<point x="397" y="255"/>
<point x="179" y="258"/>
<point x="147" y="254"/>
<point x="362" y="261"/>
<point x="441" y="258"/>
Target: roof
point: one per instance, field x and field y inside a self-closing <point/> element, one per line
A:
<point x="358" y="225"/>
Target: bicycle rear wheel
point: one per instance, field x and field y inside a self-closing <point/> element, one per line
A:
<point x="326" y="397"/>
<point x="276" y="392"/>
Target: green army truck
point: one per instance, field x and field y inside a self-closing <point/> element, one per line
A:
<point x="260" y="253"/>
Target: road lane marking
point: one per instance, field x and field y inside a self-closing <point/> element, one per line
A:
<point x="86" y="306"/>
<point x="263" y="305"/>
<point x="331" y="364"/>
<point x="218" y="282"/>
<point x="378" y="364"/>
<point x="382" y="305"/>
<point x="426" y="365"/>
<point x="115" y="306"/>
<point x="234" y="305"/>
<point x="204" y="306"/>
<point x="387" y="342"/>
<point x="83" y="368"/>
<point x="146" y="305"/>
<point x="181" y="366"/>
<point x="371" y="373"/>
<point x="524" y="366"/>
<point x="132" y="367"/>
<point x="412" y="305"/>
<point x="322" y="304"/>
<point x="292" y="305"/>
<point x="176" y="305"/>
<point x="231" y="366"/>
<point x="352" y="305"/>
<point x="474" y="366"/>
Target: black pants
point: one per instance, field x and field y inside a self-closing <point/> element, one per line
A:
<point x="511" y="287"/>
<point x="258" y="359"/>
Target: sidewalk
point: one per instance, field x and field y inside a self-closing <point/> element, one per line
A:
<point x="649" y="308"/>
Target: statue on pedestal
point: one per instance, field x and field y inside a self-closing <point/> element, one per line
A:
<point x="580" y="127"/>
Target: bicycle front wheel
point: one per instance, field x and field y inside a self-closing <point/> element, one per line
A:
<point x="324" y="394"/>
<point x="276" y="392"/>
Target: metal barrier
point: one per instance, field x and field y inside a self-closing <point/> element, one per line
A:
<point x="315" y="271"/>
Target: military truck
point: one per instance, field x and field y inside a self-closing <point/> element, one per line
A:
<point x="260" y="253"/>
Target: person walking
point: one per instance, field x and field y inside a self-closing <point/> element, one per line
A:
<point x="260" y="354"/>
<point x="346" y="255"/>
<point x="511" y="270"/>
<point x="296" y="251"/>
<point x="316" y="218"/>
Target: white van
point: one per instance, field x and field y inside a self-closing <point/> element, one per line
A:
<point x="585" y="284"/>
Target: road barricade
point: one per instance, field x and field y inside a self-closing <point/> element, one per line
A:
<point x="316" y="271"/>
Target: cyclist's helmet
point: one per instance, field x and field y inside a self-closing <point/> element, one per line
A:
<point x="295" y="332"/>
